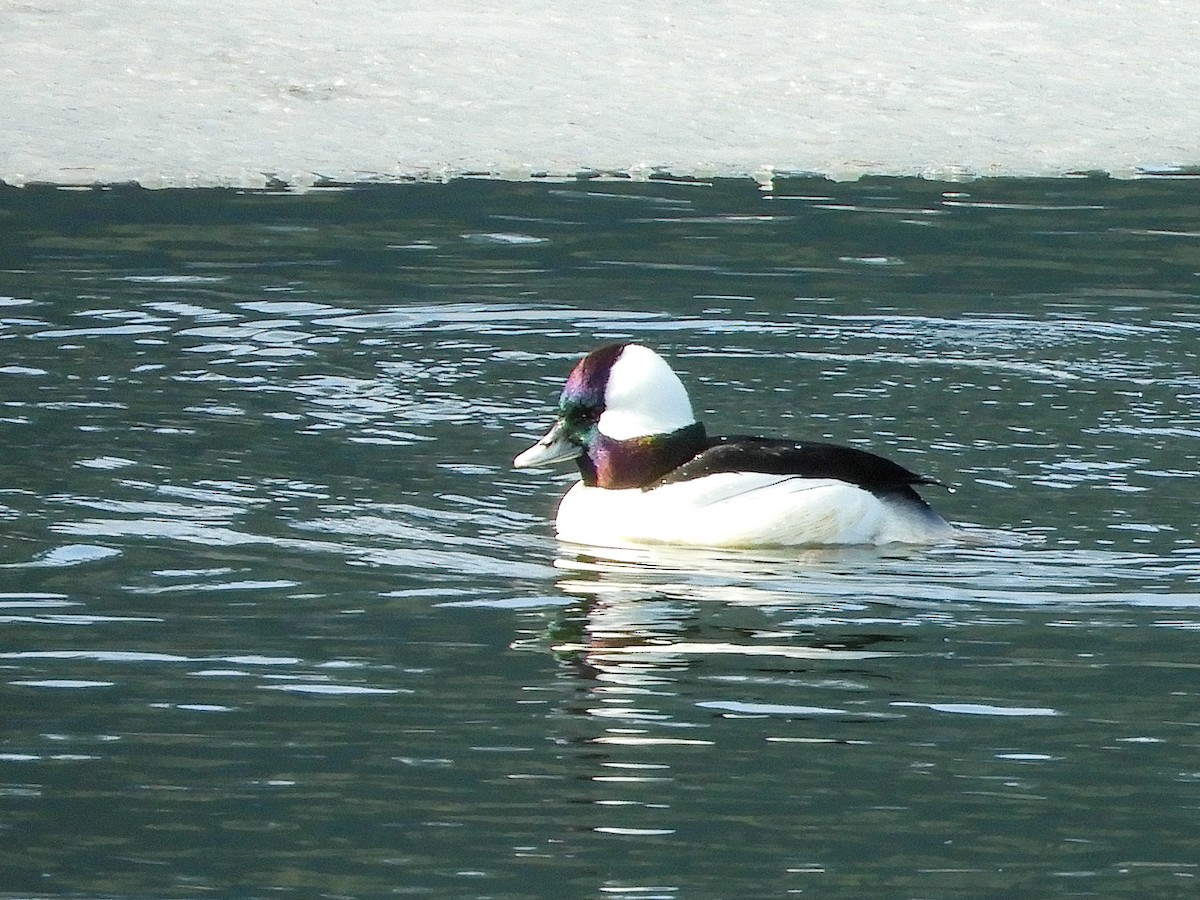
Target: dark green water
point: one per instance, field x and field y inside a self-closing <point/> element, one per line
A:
<point x="279" y="620"/>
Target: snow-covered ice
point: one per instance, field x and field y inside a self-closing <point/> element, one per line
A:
<point x="250" y="92"/>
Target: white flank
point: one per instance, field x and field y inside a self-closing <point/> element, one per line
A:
<point x="743" y="509"/>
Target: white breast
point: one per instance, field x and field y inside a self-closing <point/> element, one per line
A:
<point x="743" y="509"/>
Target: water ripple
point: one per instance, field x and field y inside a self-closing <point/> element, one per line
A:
<point x="267" y="567"/>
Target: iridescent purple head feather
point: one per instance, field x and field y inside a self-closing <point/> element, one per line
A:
<point x="587" y="382"/>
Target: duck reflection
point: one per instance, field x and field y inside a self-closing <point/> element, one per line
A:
<point x="648" y="595"/>
<point x="645" y="614"/>
<point x="671" y="655"/>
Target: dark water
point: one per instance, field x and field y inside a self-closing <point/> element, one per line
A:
<point x="279" y="620"/>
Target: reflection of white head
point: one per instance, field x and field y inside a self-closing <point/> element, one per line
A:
<point x="643" y="396"/>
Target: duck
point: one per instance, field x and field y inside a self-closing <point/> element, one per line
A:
<point x="651" y="474"/>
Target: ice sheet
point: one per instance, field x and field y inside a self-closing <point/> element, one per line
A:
<point x="297" y="92"/>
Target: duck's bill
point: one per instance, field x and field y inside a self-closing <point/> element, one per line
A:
<point x="553" y="448"/>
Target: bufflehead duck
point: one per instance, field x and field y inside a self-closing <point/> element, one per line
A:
<point x="651" y="474"/>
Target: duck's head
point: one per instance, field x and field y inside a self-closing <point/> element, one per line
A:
<point x="624" y="416"/>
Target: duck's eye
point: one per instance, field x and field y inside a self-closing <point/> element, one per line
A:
<point x="581" y="416"/>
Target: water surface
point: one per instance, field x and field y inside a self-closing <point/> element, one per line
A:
<point x="280" y="620"/>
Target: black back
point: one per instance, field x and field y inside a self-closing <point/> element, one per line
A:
<point x="810" y="459"/>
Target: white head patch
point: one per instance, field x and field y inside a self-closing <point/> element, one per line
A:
<point x="643" y="396"/>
